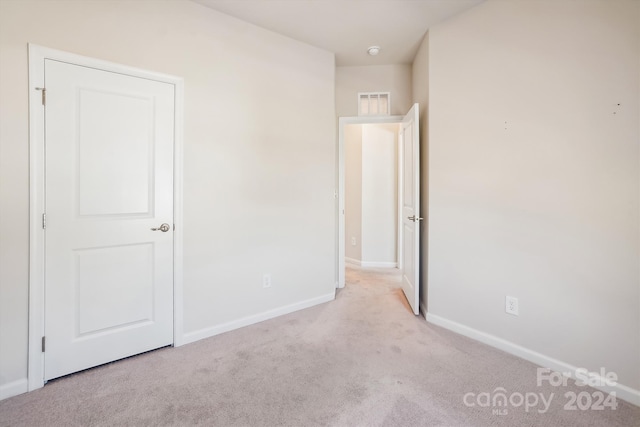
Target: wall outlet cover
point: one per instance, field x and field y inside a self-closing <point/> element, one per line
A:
<point x="511" y="305"/>
<point x="266" y="281"/>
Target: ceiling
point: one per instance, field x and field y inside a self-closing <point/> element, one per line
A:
<point x="348" y="27"/>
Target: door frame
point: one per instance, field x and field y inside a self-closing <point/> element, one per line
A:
<point x="37" y="56"/>
<point x="342" y="122"/>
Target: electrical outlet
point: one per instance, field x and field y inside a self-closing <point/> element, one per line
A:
<point x="266" y="280"/>
<point x="353" y="241"/>
<point x="511" y="305"/>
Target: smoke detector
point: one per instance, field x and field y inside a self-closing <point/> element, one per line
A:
<point x="373" y="50"/>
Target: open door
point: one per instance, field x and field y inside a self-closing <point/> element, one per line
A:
<point x="410" y="157"/>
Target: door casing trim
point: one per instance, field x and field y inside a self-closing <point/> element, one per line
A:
<point x="37" y="56"/>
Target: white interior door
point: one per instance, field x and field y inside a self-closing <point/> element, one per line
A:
<point x="410" y="149"/>
<point x="109" y="141"/>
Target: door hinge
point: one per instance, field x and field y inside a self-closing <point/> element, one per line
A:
<point x="44" y="221"/>
<point x="43" y="343"/>
<point x="44" y="95"/>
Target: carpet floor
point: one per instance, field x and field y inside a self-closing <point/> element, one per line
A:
<point x="361" y="360"/>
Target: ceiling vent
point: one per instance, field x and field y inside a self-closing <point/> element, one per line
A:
<point x="374" y="103"/>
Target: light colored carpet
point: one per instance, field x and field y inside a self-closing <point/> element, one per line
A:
<point x="362" y="360"/>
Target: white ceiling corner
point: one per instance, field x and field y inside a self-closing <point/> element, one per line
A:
<point x="348" y="27"/>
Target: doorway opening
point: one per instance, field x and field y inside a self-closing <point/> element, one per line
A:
<point x="371" y="194"/>
<point x="407" y="172"/>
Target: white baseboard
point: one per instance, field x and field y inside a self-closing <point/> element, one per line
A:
<point x="623" y="392"/>
<point x="379" y="264"/>
<point x="250" y="320"/>
<point x="14" y="388"/>
<point x="376" y="264"/>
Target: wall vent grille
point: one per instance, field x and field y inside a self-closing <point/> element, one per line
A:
<point x="374" y="104"/>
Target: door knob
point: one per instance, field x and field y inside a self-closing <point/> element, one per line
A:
<point x="414" y="219"/>
<point x="164" y="228"/>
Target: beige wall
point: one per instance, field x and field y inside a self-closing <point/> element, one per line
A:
<point x="534" y="177"/>
<point x="373" y="78"/>
<point x="420" y="92"/>
<point x="353" y="191"/>
<point x="259" y="159"/>
<point x="379" y="194"/>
